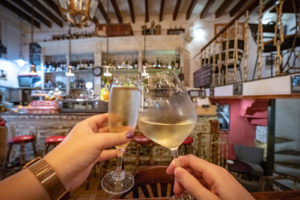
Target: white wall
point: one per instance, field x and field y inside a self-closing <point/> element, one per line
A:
<point x="287" y="121"/>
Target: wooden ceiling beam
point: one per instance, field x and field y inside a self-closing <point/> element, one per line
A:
<point x="146" y="11"/>
<point x="254" y="5"/>
<point x="268" y="5"/>
<point x="103" y="12"/>
<point x="131" y="11"/>
<point x="20" y="13"/>
<point x="53" y="6"/>
<point x="161" y="11"/>
<point x="223" y="8"/>
<point x="207" y="6"/>
<point x="190" y="9"/>
<point x="177" y="6"/>
<point x="30" y="11"/>
<point x="117" y="10"/>
<point x="46" y="12"/>
<point x="237" y="7"/>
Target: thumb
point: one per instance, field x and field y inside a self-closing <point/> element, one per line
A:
<point x="106" y="140"/>
<point x="192" y="185"/>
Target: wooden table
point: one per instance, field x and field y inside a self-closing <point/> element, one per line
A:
<point x="285" y="195"/>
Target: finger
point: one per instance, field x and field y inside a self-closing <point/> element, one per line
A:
<point x="107" y="154"/>
<point x="192" y="185"/>
<point x="171" y="168"/>
<point x="177" y="189"/>
<point x="96" y="121"/>
<point x="104" y="141"/>
<point x="103" y="129"/>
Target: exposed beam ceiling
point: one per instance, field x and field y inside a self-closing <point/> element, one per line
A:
<point x="30" y="10"/>
<point x="131" y="11"/>
<point x="207" y="6"/>
<point x="20" y="13"/>
<point x="117" y="10"/>
<point x="253" y="6"/>
<point x="103" y="12"/>
<point x="269" y="4"/>
<point x="161" y="10"/>
<point x="236" y="8"/>
<point x="46" y="12"/>
<point x="53" y="6"/>
<point x="223" y="7"/>
<point x="190" y="9"/>
<point x="146" y="11"/>
<point x="177" y="6"/>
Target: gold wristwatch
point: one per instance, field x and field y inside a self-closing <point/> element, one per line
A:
<point x="48" y="178"/>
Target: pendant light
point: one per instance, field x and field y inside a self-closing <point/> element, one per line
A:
<point x="20" y="61"/>
<point x="106" y="67"/>
<point x="78" y="13"/>
<point x="32" y="67"/>
<point x="69" y="71"/>
<point x="145" y="72"/>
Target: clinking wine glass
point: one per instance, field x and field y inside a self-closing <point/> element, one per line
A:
<point x="167" y="115"/>
<point x="124" y="103"/>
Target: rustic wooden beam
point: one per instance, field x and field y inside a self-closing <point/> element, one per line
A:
<point x="20" y="13"/>
<point x="177" y="6"/>
<point x="237" y="7"/>
<point x="117" y="10"/>
<point x="223" y="8"/>
<point x="207" y="6"/>
<point x="46" y="12"/>
<point x="53" y="6"/>
<point x="103" y="12"/>
<point x="268" y="5"/>
<point x="249" y="5"/>
<point x="131" y="11"/>
<point x="146" y="11"/>
<point x="31" y="11"/>
<point x="161" y="11"/>
<point x="190" y="9"/>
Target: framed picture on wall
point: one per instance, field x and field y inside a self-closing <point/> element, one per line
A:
<point x="223" y="114"/>
<point x="295" y="84"/>
<point x="223" y="36"/>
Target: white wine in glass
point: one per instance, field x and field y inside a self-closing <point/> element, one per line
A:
<point x="123" y="108"/>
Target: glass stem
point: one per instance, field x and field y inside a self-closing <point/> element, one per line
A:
<point x="119" y="174"/>
<point x="174" y="152"/>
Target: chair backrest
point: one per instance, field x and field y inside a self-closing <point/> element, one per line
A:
<point x="249" y="154"/>
<point x="151" y="182"/>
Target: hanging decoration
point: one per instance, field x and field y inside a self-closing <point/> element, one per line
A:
<point x="259" y="40"/>
<point x="235" y="51"/>
<point x="246" y="46"/>
<point x="220" y="63"/>
<point x="278" y="40"/>
<point x="78" y="13"/>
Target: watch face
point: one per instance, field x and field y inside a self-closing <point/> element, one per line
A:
<point x="97" y="71"/>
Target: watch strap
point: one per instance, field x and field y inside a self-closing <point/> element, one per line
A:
<point x="48" y="178"/>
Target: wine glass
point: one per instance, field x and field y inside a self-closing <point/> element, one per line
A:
<point x="167" y="115"/>
<point x="124" y="103"/>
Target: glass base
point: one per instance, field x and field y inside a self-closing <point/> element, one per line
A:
<point x="115" y="185"/>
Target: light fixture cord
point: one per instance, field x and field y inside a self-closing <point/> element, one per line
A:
<point x="107" y="27"/>
<point x="144" y="59"/>
<point x="69" y="46"/>
<point x="31" y="22"/>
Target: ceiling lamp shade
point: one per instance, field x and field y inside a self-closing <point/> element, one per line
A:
<point x="78" y="13"/>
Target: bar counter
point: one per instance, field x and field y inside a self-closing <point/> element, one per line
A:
<point x="39" y="125"/>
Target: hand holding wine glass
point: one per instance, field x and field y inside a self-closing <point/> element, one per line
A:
<point x="124" y="102"/>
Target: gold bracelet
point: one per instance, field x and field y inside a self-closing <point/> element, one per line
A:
<point x="48" y="178"/>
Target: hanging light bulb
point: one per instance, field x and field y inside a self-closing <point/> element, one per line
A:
<point x="69" y="72"/>
<point x="78" y="12"/>
<point x="144" y="72"/>
<point x="32" y="70"/>
<point x="106" y="71"/>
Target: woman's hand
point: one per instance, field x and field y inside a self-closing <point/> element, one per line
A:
<point x="205" y="180"/>
<point x="84" y="146"/>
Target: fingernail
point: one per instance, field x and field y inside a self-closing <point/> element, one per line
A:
<point x="129" y="135"/>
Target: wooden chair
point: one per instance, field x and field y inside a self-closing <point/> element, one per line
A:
<point x="151" y="182"/>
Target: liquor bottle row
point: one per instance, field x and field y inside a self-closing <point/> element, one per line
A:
<point x="79" y="83"/>
<point x="67" y="36"/>
<point x="62" y="66"/>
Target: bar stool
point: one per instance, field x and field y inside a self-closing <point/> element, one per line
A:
<point x="21" y="140"/>
<point x="53" y="141"/>
<point x="187" y="143"/>
<point x="143" y="140"/>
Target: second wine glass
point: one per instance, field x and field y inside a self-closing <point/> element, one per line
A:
<point x="124" y="102"/>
